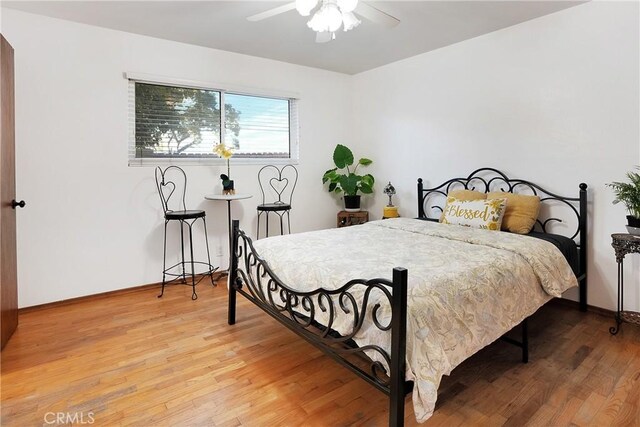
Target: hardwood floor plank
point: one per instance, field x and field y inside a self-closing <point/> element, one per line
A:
<point x="134" y="359"/>
<point x="629" y="415"/>
<point x="588" y="409"/>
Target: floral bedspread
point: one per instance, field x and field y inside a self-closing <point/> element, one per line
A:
<point x="467" y="287"/>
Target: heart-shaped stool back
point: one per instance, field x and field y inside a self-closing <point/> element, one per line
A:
<point x="277" y="184"/>
<point x="172" y="184"/>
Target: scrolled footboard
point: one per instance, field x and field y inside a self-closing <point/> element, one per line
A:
<point x="331" y="319"/>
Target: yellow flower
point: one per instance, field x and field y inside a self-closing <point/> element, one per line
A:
<point x="493" y="225"/>
<point x="496" y="203"/>
<point x="222" y="151"/>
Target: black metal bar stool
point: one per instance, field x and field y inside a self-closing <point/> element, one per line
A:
<point x="172" y="184"/>
<point x="278" y="185"/>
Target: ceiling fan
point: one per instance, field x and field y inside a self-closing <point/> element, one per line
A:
<point x="330" y="15"/>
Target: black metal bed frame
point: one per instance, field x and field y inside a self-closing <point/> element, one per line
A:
<point x="313" y="314"/>
<point x="488" y="179"/>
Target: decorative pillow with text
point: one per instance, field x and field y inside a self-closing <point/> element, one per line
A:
<point x="486" y="214"/>
<point x="464" y="195"/>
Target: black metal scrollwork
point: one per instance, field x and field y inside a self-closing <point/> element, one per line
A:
<point x="315" y="314"/>
<point x="489" y="179"/>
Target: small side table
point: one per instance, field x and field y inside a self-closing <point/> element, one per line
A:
<point x="345" y="219"/>
<point x="624" y="244"/>
<point x="228" y="198"/>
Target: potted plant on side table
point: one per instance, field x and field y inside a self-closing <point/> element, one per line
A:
<point x="344" y="179"/>
<point x="629" y="194"/>
<point x="225" y="153"/>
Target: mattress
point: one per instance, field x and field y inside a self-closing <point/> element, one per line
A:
<point x="565" y="245"/>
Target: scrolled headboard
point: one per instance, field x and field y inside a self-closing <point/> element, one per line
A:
<point x="566" y="216"/>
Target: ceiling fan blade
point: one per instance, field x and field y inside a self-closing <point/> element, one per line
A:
<point x="272" y="12"/>
<point x="376" y="15"/>
<point x="323" y="37"/>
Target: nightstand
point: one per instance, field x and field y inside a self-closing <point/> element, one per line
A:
<point x="345" y="219"/>
<point x="624" y="244"/>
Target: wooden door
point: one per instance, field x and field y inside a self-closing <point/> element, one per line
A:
<point x="8" y="267"/>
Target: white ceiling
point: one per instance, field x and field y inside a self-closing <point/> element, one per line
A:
<point x="424" y="26"/>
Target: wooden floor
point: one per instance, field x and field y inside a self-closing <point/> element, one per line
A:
<point x="134" y="359"/>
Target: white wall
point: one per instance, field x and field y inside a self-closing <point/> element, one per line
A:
<point x="92" y="224"/>
<point x="553" y="100"/>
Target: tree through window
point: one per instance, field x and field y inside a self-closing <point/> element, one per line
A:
<point x="183" y="122"/>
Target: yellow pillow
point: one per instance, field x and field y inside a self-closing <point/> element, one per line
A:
<point x="463" y="195"/>
<point x="485" y="214"/>
<point x="522" y="211"/>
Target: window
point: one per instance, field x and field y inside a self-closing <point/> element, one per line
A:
<point x="181" y="122"/>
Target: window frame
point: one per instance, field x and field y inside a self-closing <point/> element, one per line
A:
<point x="294" y="121"/>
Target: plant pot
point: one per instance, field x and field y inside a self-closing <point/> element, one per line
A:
<point x="352" y="203"/>
<point x="227" y="187"/>
<point x="632" y="221"/>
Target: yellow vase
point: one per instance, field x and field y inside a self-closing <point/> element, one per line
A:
<point x="390" y="212"/>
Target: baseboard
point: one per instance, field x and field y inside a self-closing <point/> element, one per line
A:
<point x="590" y="308"/>
<point x="561" y="301"/>
<point x="101" y="295"/>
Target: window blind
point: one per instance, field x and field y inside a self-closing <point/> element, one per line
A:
<point x="167" y="121"/>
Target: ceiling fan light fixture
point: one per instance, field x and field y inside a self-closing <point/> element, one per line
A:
<point x="333" y="16"/>
<point x="328" y="18"/>
<point x="317" y="23"/>
<point x="347" y="6"/>
<point x="304" y="7"/>
<point x="349" y="21"/>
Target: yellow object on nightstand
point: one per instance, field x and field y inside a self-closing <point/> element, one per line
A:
<point x="390" y="212"/>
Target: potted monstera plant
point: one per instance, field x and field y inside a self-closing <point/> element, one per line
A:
<point x="344" y="178"/>
<point x="629" y="194"/>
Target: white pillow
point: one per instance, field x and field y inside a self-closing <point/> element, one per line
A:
<point x="486" y="214"/>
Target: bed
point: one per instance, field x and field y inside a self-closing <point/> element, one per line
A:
<point x="402" y="302"/>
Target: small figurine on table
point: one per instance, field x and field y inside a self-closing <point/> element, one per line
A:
<point x="390" y="211"/>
